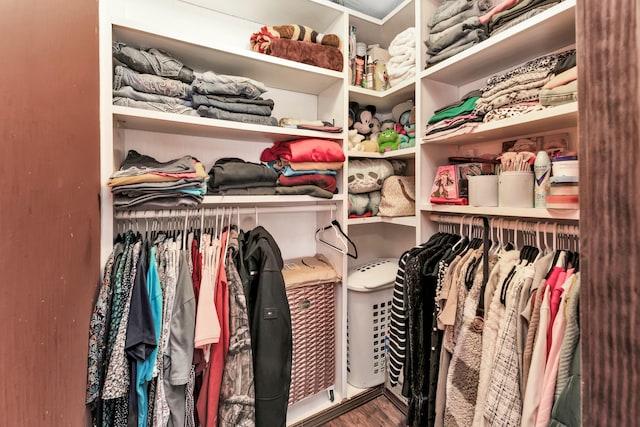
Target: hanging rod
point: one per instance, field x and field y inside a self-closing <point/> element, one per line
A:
<point x="181" y="213"/>
<point x="510" y="224"/>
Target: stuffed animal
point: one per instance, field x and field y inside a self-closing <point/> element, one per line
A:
<point x="410" y="129"/>
<point x="369" y="145"/>
<point x="355" y="140"/>
<point x="387" y="124"/>
<point x="360" y="204"/>
<point x="362" y="119"/>
<point x="388" y="140"/>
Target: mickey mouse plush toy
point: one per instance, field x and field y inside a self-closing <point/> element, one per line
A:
<point x="363" y="119"/>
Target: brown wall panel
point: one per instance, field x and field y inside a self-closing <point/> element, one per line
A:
<point x="609" y="121"/>
<point x="49" y="209"/>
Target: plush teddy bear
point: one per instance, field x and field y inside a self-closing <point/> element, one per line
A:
<point x="388" y="140"/>
<point x="355" y="140"/>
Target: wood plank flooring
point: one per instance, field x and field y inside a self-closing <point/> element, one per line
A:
<point x="379" y="412"/>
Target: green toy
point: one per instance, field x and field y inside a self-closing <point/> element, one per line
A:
<point x="388" y="140"/>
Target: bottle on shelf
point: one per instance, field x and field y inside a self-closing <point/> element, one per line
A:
<point x="542" y="171"/>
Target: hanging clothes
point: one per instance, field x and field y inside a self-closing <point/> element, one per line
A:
<point x="237" y="396"/>
<point x="270" y="325"/>
<point x="208" y="400"/>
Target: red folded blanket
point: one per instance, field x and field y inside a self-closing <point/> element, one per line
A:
<point x="304" y="150"/>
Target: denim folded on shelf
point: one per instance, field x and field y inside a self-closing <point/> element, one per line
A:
<point x="152" y="61"/>
<point x="229" y="88"/>
<point x="148" y="83"/>
<point x="129" y="92"/>
<point x="211" y="77"/>
<point x="234" y="105"/>
<point x="217" y="113"/>
<point x="155" y="106"/>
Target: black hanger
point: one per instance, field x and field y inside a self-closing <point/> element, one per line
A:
<point x="335" y="225"/>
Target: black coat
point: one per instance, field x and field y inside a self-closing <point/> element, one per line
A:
<point x="270" y="324"/>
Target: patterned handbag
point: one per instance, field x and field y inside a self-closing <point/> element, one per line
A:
<point x="398" y="196"/>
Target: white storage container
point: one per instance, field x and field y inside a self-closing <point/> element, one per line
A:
<point x="370" y="289"/>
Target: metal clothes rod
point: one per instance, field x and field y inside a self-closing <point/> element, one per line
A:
<point x="192" y="212"/>
<point x="528" y="224"/>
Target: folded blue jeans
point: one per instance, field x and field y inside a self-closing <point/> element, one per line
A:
<point x="149" y="83"/>
<point x="152" y="61"/>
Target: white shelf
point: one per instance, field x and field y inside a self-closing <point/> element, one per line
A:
<point x="555" y="214"/>
<point x="552" y="118"/>
<point x="405" y="153"/>
<point x="278" y="200"/>
<point x="157" y="121"/>
<point x="542" y="34"/>
<point x="409" y="221"/>
<point x="383" y="100"/>
<point x="273" y="72"/>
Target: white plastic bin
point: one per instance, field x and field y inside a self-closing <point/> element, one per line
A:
<point x="370" y="289"/>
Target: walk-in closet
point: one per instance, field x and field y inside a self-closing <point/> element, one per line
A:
<point x="281" y="213"/>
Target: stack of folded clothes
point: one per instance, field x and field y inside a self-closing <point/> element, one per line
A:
<point x="233" y="176"/>
<point x="456" y="118"/>
<point x="224" y="97"/>
<point x="151" y="79"/>
<point x="455" y="26"/>
<point x="506" y="13"/>
<point x="401" y="65"/>
<point x="517" y="91"/>
<point x="306" y="166"/>
<point x="142" y="181"/>
<point x="301" y="44"/>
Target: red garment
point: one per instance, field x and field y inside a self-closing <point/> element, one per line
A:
<point x="196" y="261"/>
<point x="551" y="284"/>
<point x="305" y="150"/>
<point x="364" y="215"/>
<point x="326" y="182"/>
<point x="207" y="405"/>
<point x="554" y="302"/>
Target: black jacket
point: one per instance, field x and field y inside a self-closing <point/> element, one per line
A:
<point x="270" y="323"/>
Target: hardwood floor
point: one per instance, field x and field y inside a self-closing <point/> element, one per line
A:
<point x="379" y="412"/>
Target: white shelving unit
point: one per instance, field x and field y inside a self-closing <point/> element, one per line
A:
<point x="550" y="31"/>
<point x="211" y="36"/>
<point x="208" y="35"/>
<point x="382" y="32"/>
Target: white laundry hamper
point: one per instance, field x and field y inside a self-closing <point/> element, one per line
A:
<point x="370" y="290"/>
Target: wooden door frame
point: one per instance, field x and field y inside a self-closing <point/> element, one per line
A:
<point x="608" y="35"/>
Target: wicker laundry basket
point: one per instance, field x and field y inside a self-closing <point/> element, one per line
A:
<point x="310" y="284"/>
<point x="313" y="328"/>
